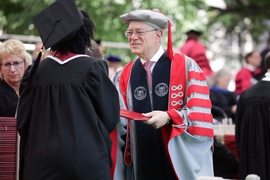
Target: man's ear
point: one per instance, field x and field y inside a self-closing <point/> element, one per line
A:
<point x="159" y="34"/>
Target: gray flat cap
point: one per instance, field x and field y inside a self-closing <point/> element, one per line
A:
<point x="152" y="18"/>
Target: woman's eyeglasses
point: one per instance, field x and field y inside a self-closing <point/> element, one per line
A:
<point x="16" y="64"/>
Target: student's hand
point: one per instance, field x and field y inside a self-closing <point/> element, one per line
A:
<point x="158" y="118"/>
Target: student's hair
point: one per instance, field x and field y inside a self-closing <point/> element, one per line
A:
<point x="80" y="40"/>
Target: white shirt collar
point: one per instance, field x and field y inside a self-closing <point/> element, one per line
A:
<point x="156" y="57"/>
<point x="250" y="67"/>
<point x="267" y="77"/>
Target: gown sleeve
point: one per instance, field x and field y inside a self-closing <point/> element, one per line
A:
<point x="191" y="138"/>
<point x="104" y="96"/>
<point x="23" y="115"/>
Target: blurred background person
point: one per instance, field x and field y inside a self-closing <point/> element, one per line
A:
<point x="14" y="60"/>
<point x="223" y="101"/>
<point x="223" y="106"/>
<point x="260" y="75"/>
<point x="94" y="50"/>
<point x="245" y="76"/>
<point x="114" y="64"/>
<point x="252" y="128"/>
<point x="196" y="50"/>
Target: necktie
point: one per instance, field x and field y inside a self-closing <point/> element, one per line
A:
<point x="147" y="67"/>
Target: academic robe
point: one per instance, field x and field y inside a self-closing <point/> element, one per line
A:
<point x="64" y="118"/>
<point x="243" y="80"/>
<point x="188" y="139"/>
<point x="8" y="100"/>
<point x="195" y="50"/>
<point x="253" y="131"/>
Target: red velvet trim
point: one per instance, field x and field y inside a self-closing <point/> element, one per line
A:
<point x="124" y="80"/>
<point x="197" y="89"/>
<point x="177" y="120"/>
<point x="114" y="139"/>
<point x="63" y="57"/>
<point x="196" y="75"/>
<point x="196" y="116"/>
<point x="199" y="102"/>
<point x="177" y="78"/>
<point x="169" y="45"/>
<point x="201" y="131"/>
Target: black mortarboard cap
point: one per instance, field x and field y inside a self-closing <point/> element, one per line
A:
<point x="194" y="32"/>
<point x="58" y="22"/>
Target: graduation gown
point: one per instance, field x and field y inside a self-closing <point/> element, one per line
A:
<point x="64" y="119"/>
<point x="8" y="100"/>
<point x="188" y="140"/>
<point x="253" y="131"/>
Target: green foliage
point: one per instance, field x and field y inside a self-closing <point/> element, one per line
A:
<point x="245" y="16"/>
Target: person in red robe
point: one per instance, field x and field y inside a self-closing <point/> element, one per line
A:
<point x="245" y="76"/>
<point x="196" y="50"/>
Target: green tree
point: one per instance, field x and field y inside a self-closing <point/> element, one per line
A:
<point x="240" y="17"/>
<point x="16" y="17"/>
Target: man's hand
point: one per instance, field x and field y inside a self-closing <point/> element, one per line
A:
<point x="158" y="118"/>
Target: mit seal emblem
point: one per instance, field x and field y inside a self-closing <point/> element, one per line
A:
<point x="140" y="93"/>
<point x="161" y="89"/>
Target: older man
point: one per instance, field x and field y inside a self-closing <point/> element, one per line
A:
<point x="175" y="142"/>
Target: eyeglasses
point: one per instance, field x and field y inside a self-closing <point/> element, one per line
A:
<point x="138" y="33"/>
<point x="16" y="64"/>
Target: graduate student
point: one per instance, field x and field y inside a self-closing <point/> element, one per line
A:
<point x="175" y="143"/>
<point x="68" y="105"/>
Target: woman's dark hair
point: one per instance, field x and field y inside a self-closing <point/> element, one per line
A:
<point x="81" y="38"/>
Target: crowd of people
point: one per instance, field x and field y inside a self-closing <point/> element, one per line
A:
<point x="68" y="103"/>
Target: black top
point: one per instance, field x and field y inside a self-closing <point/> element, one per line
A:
<point x="222" y="102"/>
<point x="8" y="100"/>
<point x="253" y="131"/>
<point x="64" y="119"/>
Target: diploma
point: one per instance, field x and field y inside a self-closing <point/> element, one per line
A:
<point x="133" y="115"/>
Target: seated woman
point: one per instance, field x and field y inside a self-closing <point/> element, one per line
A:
<point x="14" y="60"/>
<point x="223" y="106"/>
<point x="223" y="101"/>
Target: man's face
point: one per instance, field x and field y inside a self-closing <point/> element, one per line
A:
<point x="143" y="39"/>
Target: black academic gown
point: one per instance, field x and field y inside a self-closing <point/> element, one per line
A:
<point x="253" y="131"/>
<point x="64" y="119"/>
<point x="8" y="100"/>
